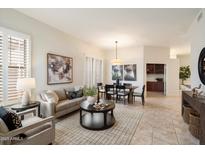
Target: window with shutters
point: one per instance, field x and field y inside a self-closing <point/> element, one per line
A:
<point x="93" y="71"/>
<point x="14" y="63"/>
<point x="1" y="67"/>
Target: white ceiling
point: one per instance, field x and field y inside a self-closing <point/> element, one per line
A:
<point x="101" y="27"/>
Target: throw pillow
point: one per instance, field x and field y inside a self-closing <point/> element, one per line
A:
<point x="69" y="89"/>
<point x="74" y="94"/>
<point x="42" y="95"/>
<point x="79" y="93"/>
<point x="77" y="88"/>
<point x="10" y="118"/>
<point x="70" y="94"/>
<point x="51" y="96"/>
<point x="61" y="94"/>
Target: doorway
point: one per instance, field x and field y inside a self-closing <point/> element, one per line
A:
<point x="156" y="77"/>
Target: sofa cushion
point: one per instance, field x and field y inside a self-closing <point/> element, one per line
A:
<point x="37" y="130"/>
<point x="30" y="121"/>
<point x="51" y="96"/>
<point x="33" y="120"/>
<point x="76" y="88"/>
<point x="68" y="103"/>
<point x="10" y="118"/>
<point x="69" y="89"/>
<point x="61" y="94"/>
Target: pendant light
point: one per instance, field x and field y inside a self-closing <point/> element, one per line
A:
<point x="116" y="61"/>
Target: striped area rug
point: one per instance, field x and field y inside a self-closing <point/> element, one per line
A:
<point x="69" y="130"/>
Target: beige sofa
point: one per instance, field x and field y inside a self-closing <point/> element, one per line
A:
<point x="60" y="108"/>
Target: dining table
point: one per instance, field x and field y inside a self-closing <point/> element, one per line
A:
<point x="131" y="89"/>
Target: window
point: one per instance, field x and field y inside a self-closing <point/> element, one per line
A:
<point x="15" y="62"/>
<point x="93" y="71"/>
<point x="1" y="68"/>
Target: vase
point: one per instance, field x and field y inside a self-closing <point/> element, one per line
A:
<point x="91" y="99"/>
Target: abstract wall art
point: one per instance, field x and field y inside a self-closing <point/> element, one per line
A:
<point x="59" y="69"/>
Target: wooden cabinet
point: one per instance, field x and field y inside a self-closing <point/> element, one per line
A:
<point x="159" y="86"/>
<point x="196" y="103"/>
<point x="155" y="68"/>
<point x="150" y="86"/>
<point x="150" y="68"/>
<point x="159" y="68"/>
<point x="155" y="86"/>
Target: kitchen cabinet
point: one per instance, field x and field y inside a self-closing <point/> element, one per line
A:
<point x="155" y="68"/>
<point x="150" y="68"/>
<point x="157" y="86"/>
<point x="159" y="68"/>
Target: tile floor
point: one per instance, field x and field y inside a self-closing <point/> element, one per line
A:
<point x="155" y="94"/>
<point x="161" y="122"/>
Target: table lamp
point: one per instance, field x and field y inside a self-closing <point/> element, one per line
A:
<point x="25" y="84"/>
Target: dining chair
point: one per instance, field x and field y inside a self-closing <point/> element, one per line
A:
<point x="121" y="92"/>
<point x="110" y="91"/>
<point x="101" y="89"/>
<point x="137" y="94"/>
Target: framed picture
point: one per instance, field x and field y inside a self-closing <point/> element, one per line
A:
<point x="59" y="69"/>
<point x="117" y="72"/>
<point x="130" y="72"/>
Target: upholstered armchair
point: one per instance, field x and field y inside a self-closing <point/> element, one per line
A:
<point x="34" y="130"/>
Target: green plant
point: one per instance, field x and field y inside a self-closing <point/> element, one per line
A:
<point x="90" y="91"/>
<point x="184" y="73"/>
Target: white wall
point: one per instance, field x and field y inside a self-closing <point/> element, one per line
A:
<point x="160" y="55"/>
<point x="132" y="55"/>
<point x="47" y="39"/>
<point x="172" y="78"/>
<point x="184" y="60"/>
<point x="197" y="39"/>
<point x="141" y="55"/>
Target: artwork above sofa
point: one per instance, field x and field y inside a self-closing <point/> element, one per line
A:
<point x="60" y="69"/>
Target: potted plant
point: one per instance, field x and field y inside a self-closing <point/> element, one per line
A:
<point x="184" y="73"/>
<point x="90" y="93"/>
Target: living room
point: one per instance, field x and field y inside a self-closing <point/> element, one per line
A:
<point x="80" y="76"/>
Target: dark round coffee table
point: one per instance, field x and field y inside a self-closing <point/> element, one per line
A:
<point x="97" y="119"/>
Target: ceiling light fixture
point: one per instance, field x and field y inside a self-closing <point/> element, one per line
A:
<point x="116" y="61"/>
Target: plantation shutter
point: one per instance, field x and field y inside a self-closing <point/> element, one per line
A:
<point x="1" y="67"/>
<point x="93" y="71"/>
<point x="15" y="62"/>
<point x="98" y="70"/>
<point x="18" y="60"/>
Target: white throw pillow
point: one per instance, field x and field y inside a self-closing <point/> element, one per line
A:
<point x="77" y="88"/>
<point x="3" y="127"/>
<point x="51" y="97"/>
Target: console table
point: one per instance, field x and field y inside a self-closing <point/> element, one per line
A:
<point x="198" y="104"/>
